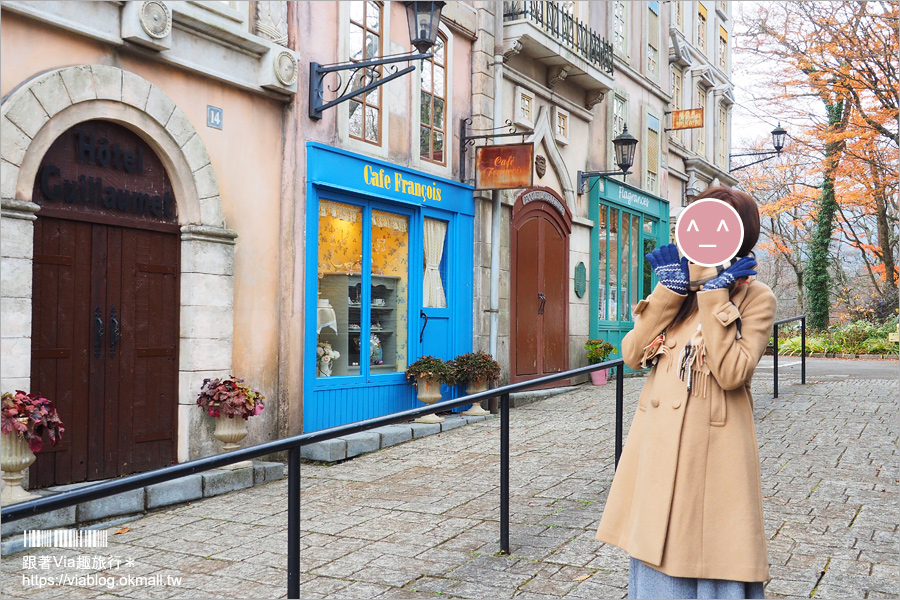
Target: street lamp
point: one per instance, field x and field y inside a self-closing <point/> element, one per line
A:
<point x="423" y="18"/>
<point x="624" y="146"/>
<point x="778" y="135"/>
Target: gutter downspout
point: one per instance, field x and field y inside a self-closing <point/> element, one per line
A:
<point x="495" y="195"/>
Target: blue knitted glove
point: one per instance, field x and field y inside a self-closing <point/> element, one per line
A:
<point x="743" y="267"/>
<point x="671" y="271"/>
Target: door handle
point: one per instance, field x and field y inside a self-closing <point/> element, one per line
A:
<point x="98" y="333"/>
<point x="424" y="323"/>
<point x="543" y="300"/>
<point x="114" y="334"/>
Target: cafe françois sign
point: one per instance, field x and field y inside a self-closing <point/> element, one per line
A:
<point x="504" y="167"/>
<point x="102" y="169"/>
<point x="687" y="119"/>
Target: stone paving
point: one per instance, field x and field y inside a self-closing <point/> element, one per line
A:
<point x="420" y="520"/>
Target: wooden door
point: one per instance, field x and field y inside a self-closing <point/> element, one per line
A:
<point x="539" y="303"/>
<point x="105" y="335"/>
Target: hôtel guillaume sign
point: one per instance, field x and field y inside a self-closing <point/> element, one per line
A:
<point x="508" y="166"/>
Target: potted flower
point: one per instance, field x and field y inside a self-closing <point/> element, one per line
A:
<point x="598" y="352"/>
<point x="231" y="402"/>
<point x="24" y="418"/>
<point x="427" y="374"/>
<point x="325" y="357"/>
<point x="479" y="370"/>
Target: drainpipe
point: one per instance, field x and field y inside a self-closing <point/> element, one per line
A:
<point x="495" y="195"/>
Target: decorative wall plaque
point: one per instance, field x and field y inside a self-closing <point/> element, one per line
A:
<point x="156" y="19"/>
<point x="580" y="279"/>
<point x="540" y="165"/>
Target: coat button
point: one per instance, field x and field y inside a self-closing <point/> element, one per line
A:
<point x="654" y="402"/>
<point x="676" y="403"/>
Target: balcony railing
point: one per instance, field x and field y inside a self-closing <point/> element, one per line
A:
<point x="558" y="24"/>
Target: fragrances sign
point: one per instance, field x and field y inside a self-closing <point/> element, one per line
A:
<point x="504" y="167"/>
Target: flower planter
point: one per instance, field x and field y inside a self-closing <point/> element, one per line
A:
<point x="231" y="431"/>
<point x="599" y="377"/>
<point x="473" y="387"/>
<point x="429" y="392"/>
<point x="15" y="456"/>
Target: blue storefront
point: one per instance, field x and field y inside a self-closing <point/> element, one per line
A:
<point x="628" y="224"/>
<point x="388" y="279"/>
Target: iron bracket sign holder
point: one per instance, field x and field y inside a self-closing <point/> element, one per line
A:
<point x="465" y="140"/>
<point x="583" y="177"/>
<point x="318" y="72"/>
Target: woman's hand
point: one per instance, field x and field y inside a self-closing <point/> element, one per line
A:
<point x="671" y="270"/>
<point x="743" y="267"/>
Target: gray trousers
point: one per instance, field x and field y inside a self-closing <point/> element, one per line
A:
<point x="646" y="582"/>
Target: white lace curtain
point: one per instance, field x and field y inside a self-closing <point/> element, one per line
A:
<point x="433" y="293"/>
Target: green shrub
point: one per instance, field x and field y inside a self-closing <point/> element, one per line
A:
<point x="876" y="345"/>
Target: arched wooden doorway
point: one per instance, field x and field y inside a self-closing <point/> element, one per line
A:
<point x="106" y="300"/>
<point x="539" y="299"/>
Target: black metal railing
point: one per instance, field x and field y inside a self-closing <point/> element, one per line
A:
<point x="293" y="444"/>
<point x="802" y="319"/>
<point x="564" y="28"/>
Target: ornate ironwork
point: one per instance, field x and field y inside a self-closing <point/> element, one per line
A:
<point x="564" y="28"/>
<point x="317" y="73"/>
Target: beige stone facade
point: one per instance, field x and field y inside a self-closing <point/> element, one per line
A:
<point x="91" y="63"/>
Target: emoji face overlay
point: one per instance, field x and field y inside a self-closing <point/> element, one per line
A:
<point x="709" y="232"/>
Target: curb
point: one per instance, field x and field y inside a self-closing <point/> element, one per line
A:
<point x="133" y="504"/>
<point x="349" y="446"/>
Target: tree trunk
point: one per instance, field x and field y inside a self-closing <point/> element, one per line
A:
<point x="818" y="280"/>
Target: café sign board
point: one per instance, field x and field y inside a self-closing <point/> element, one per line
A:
<point x="504" y="167"/>
<point x="687" y="119"/>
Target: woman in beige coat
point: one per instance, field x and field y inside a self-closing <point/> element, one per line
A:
<point x="686" y="502"/>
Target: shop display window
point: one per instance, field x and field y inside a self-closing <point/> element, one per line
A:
<point x="359" y="325"/>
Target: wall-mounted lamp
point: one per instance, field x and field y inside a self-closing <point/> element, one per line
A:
<point x="778" y="135"/>
<point x="624" y="146"/>
<point x="423" y="18"/>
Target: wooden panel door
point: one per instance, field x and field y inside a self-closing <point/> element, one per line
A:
<point x="540" y="303"/>
<point x="104" y="347"/>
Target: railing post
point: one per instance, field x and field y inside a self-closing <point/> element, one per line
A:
<point x="620" y="392"/>
<point x="775" y="358"/>
<point x="293" y="525"/>
<point x="504" y="474"/>
<point x="803" y="349"/>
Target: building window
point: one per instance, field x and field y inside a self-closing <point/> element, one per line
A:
<point x="701" y="28"/>
<point x="524" y="108"/>
<point x="653" y="39"/>
<point x="433" y="104"/>
<point x="619" y="40"/>
<point x="722" y="137"/>
<point x="723" y="6"/>
<point x="620" y="113"/>
<point x="652" y="183"/>
<point x="723" y="49"/>
<point x="701" y="132"/>
<point x="678" y="8"/>
<point x="365" y="44"/>
<point x="677" y="86"/>
<point x="561" y="125"/>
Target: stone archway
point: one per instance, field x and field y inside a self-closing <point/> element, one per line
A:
<point x="33" y="116"/>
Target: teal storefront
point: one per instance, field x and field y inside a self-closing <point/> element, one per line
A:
<point x="388" y="279"/>
<point x="628" y="223"/>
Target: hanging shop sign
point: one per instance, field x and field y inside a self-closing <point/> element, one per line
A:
<point x="504" y="167"/>
<point x="101" y="169"/>
<point x="687" y="119"/>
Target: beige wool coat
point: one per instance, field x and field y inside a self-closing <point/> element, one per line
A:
<point x="686" y="497"/>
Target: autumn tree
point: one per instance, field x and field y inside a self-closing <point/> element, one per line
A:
<point x="842" y="55"/>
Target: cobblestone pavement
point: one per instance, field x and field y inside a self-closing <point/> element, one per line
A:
<point x="420" y="520"/>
